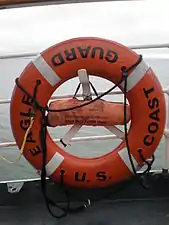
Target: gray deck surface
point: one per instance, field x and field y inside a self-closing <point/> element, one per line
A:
<point x="131" y="205"/>
<point x="133" y="213"/>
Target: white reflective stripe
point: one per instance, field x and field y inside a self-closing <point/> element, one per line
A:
<point x="71" y="133"/>
<point x="124" y="156"/>
<point x="54" y="163"/>
<point x="136" y="75"/>
<point x="46" y="71"/>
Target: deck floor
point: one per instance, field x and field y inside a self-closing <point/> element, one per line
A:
<point x="132" y="205"/>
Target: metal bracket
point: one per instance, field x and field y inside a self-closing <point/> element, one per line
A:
<point x="14" y="187"/>
<point x="84" y="80"/>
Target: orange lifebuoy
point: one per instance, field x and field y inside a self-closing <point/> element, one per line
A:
<point x="101" y="58"/>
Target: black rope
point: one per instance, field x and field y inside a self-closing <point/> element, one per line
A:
<point x="125" y="74"/>
<point x="101" y="95"/>
<point x="86" y="97"/>
<point x="49" y="202"/>
<point x="65" y="109"/>
<point x="149" y="164"/>
<point x="77" y="89"/>
<point x="81" y="105"/>
<point x="33" y="99"/>
<point x="94" y="89"/>
<point x="43" y="131"/>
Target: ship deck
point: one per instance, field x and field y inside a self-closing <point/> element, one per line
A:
<point x="128" y="203"/>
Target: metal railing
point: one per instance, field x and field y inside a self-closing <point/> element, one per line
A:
<point x="165" y="165"/>
<point x="106" y="137"/>
<point x="76" y="139"/>
<point x="34" y="54"/>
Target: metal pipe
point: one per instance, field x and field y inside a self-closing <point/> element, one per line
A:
<point x="76" y="139"/>
<point x="35" y="54"/>
<point x="6" y="101"/>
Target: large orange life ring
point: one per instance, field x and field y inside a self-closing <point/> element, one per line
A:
<point x="101" y="58"/>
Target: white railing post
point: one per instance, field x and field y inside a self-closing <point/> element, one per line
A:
<point x="165" y="167"/>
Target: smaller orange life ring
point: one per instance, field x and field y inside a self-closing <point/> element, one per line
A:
<point x="101" y="58"/>
<point x="99" y="113"/>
